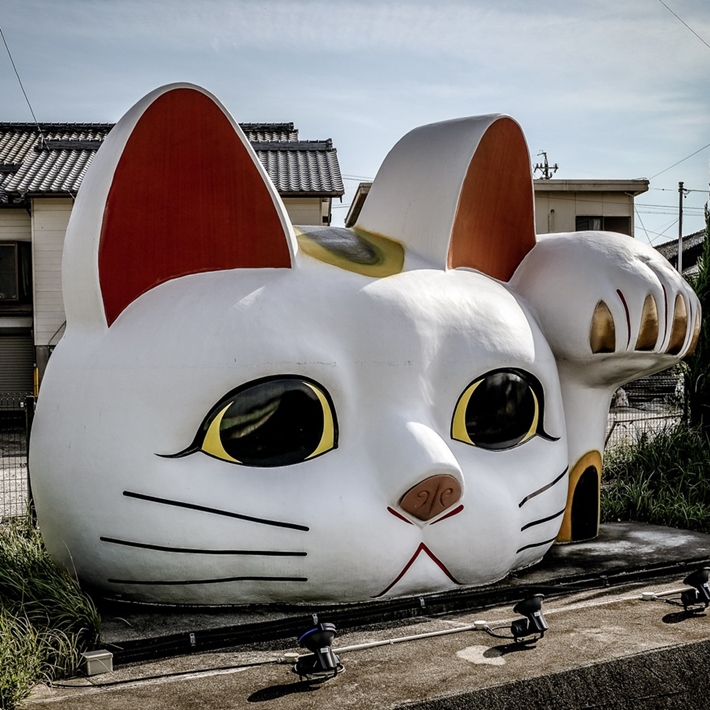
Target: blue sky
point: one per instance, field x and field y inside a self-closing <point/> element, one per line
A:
<point x="609" y="88"/>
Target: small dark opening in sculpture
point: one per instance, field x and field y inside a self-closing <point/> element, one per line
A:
<point x="585" y="505"/>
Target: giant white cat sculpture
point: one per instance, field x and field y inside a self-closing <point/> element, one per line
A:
<point x="242" y="411"/>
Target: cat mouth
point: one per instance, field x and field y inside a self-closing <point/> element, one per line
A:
<point x="421" y="550"/>
<point x="449" y="514"/>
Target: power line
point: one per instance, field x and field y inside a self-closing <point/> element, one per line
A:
<point x="19" y="81"/>
<point x="670" y="212"/>
<point x="691" y="208"/>
<point x="675" y="189"/>
<point x="681" y="161"/>
<point x="643" y="226"/>
<point x="685" y="23"/>
<point x="40" y="131"/>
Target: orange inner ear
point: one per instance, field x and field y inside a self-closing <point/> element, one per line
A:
<point x="186" y="197"/>
<point x="494" y="226"/>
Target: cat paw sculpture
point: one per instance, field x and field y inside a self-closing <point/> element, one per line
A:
<point x="245" y="411"/>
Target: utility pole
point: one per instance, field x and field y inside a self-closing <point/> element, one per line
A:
<point x="681" y="194"/>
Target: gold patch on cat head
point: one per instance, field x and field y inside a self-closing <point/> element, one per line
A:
<point x="602" y="333"/>
<point x="648" y="332"/>
<point x="353" y="249"/>
<point x="680" y="326"/>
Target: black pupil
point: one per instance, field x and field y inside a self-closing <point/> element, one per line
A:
<point x="501" y="411"/>
<point x="274" y="423"/>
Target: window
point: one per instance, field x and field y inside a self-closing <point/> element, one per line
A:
<point x="15" y="272"/>
<point x="622" y="225"/>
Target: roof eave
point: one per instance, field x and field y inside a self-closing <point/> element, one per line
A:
<point x="308" y="193"/>
<point x="633" y="187"/>
<point x="44" y="193"/>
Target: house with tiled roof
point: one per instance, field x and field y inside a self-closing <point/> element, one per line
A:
<point x="41" y="169"/>
<point x="692" y="251"/>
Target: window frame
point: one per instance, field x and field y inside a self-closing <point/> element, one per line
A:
<point x="22" y="271"/>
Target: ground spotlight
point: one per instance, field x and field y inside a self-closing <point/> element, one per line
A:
<point x="697" y="598"/>
<point x="527" y="630"/>
<point x="322" y="663"/>
<point x="534" y="624"/>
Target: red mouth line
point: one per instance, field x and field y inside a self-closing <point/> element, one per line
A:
<point x="397" y="515"/>
<point x="455" y="511"/>
<point x="422" y="548"/>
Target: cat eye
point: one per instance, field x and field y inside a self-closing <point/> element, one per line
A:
<point x="500" y="410"/>
<point x="276" y="421"/>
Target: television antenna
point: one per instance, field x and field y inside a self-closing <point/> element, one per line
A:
<point x="545" y="168"/>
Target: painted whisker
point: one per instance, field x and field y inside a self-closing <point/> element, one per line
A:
<point x="214" y="511"/>
<point x="543" y="520"/>
<point x="543" y="489"/>
<point x="164" y="583"/>
<point x="191" y="551"/>
<point x="535" y="544"/>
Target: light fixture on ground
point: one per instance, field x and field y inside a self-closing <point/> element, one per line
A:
<point x="527" y="630"/>
<point x="694" y="600"/>
<point x="697" y="598"/>
<point x="322" y="663"/>
<point x="534" y="625"/>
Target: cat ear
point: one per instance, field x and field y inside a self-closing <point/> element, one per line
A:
<point x="459" y="193"/>
<point x="174" y="190"/>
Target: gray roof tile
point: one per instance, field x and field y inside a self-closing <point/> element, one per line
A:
<point x="270" y="131"/>
<point x="45" y="162"/>
<point x="55" y="161"/>
<point x="693" y="245"/>
<point x="669" y="249"/>
<point x="302" y="167"/>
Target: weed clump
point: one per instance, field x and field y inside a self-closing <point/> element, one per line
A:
<point x="46" y="621"/>
<point x="660" y="479"/>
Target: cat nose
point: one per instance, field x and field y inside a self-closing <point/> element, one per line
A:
<point x="431" y="496"/>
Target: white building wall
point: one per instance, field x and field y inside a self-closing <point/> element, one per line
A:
<point x="305" y="210"/>
<point x="49" y="224"/>
<point x="15" y="225"/>
<point x="557" y="211"/>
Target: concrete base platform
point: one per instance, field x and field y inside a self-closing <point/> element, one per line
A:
<point x="607" y="646"/>
<point x="622" y="553"/>
<point x="604" y="649"/>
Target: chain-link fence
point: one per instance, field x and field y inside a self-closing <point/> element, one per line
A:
<point x="646" y="405"/>
<point x="13" y="453"/>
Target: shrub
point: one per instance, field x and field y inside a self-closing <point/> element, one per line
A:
<point x="46" y="621"/>
<point x="697" y="366"/>
<point x="660" y="479"/>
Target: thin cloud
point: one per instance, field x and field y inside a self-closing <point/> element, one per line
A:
<point x="615" y="89"/>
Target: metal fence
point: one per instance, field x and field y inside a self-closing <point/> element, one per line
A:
<point x="14" y="424"/>
<point x="647" y="404"/>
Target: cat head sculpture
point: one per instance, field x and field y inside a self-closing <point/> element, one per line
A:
<point x="241" y="411"/>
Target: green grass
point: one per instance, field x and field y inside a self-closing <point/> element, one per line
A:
<point x="662" y="479"/>
<point x="46" y="621"/>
